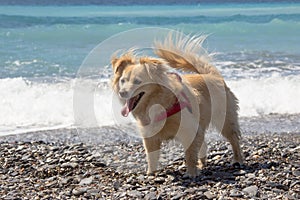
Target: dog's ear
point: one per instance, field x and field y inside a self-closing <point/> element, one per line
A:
<point x="119" y="64"/>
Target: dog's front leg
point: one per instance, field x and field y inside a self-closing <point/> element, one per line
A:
<point x="152" y="147"/>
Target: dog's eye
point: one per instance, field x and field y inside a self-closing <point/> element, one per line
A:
<point x="137" y="81"/>
<point x="122" y="81"/>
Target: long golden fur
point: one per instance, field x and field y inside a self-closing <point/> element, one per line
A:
<point x="147" y="87"/>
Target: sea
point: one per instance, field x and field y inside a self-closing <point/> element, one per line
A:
<point x="46" y="81"/>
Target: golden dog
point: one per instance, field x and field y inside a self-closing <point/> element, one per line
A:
<point x="169" y="106"/>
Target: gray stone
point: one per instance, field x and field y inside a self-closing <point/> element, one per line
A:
<point x="69" y="165"/>
<point x="251" y="175"/>
<point x="150" y="196"/>
<point x="66" y="180"/>
<point x="86" y="181"/>
<point x="235" y="193"/>
<point x="144" y="188"/>
<point x="296" y="173"/>
<point x="209" y="195"/>
<point x="141" y="178"/>
<point x="79" y="191"/>
<point x="14" y="174"/>
<point x="51" y="183"/>
<point x="93" y="191"/>
<point x="251" y="190"/>
<point x="116" y="185"/>
<point x="191" y="190"/>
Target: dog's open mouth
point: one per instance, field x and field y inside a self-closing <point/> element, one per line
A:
<point x="131" y="104"/>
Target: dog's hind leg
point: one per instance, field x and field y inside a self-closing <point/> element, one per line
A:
<point x="231" y="132"/>
<point x="202" y="155"/>
<point x="231" y="129"/>
<point x="152" y="146"/>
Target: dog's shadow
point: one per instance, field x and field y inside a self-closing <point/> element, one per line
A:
<point x="213" y="173"/>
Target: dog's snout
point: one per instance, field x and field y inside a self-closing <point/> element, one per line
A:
<point x="123" y="94"/>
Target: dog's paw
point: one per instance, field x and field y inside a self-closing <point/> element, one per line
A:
<point x="150" y="173"/>
<point x="237" y="164"/>
<point x="190" y="176"/>
<point x="192" y="173"/>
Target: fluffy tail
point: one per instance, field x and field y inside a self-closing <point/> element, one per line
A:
<point x="185" y="53"/>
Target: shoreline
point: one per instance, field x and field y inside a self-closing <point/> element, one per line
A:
<point x="272" y="123"/>
<point x="43" y="166"/>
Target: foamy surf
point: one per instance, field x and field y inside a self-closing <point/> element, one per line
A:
<point x="273" y="95"/>
<point x="29" y="105"/>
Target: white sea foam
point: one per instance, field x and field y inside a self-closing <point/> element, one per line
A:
<point x="27" y="106"/>
<point x="30" y="105"/>
<point x="268" y="95"/>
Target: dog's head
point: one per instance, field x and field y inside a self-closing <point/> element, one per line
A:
<point x="118" y="66"/>
<point x="136" y="80"/>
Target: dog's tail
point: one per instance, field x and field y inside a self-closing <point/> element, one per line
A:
<point x="185" y="53"/>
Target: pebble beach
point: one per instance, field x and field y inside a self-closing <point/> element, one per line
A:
<point x="87" y="164"/>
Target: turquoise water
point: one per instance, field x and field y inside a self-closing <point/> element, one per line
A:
<point x="53" y="40"/>
<point x="42" y="48"/>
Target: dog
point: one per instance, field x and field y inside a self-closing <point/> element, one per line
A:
<point x="171" y="105"/>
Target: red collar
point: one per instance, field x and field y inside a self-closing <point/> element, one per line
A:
<point x="176" y="107"/>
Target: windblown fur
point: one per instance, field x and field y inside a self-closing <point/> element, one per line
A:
<point x="185" y="53"/>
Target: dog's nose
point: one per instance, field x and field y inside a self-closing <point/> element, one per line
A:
<point x="123" y="94"/>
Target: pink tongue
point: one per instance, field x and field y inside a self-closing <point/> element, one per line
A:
<point x="125" y="110"/>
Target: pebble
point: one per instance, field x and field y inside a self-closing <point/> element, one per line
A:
<point x="86" y="181"/>
<point x="79" y="191"/>
<point x="116" y="185"/>
<point x="251" y="190"/>
<point x="93" y="191"/>
<point x="69" y="164"/>
<point x="191" y="190"/>
<point x="150" y="196"/>
<point x="67" y="180"/>
<point x="235" y="193"/>
<point x="209" y="195"/>
<point x="296" y="172"/>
